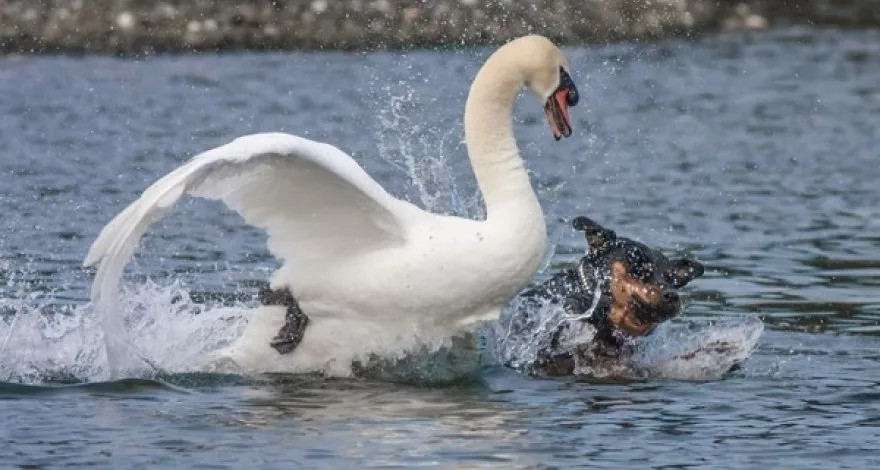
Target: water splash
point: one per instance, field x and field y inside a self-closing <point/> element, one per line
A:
<point x="675" y="350"/>
<point x="168" y="333"/>
<point x="420" y="153"/>
<point x="694" y="351"/>
<point x="525" y="331"/>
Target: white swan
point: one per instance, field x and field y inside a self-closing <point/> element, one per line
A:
<point x="375" y="274"/>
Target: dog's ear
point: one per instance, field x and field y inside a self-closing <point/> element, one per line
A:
<point x="683" y="271"/>
<point x="598" y="237"/>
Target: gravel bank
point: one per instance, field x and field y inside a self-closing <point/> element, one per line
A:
<point x="149" y="26"/>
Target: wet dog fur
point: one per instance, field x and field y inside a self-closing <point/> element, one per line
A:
<point x="623" y="288"/>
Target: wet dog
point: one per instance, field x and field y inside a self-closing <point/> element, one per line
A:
<point x="622" y="288"/>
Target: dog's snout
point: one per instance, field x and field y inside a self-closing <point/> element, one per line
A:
<point x="670" y="296"/>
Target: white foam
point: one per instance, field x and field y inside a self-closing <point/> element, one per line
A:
<point x="165" y="331"/>
<point x="678" y="350"/>
<point x="689" y="351"/>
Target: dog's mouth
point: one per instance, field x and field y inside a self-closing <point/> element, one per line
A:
<point x="629" y="319"/>
<point x="648" y="316"/>
<point x="643" y="313"/>
<point x="637" y="307"/>
<point x="653" y="314"/>
<point x="639" y="318"/>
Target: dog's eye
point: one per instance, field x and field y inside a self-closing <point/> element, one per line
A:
<point x="672" y="278"/>
<point x="682" y="272"/>
<point x="640" y="267"/>
<point x="677" y="278"/>
<point x="643" y="271"/>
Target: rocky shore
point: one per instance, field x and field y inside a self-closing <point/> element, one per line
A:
<point x="131" y="27"/>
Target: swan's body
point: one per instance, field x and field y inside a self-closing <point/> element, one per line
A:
<point x="375" y="274"/>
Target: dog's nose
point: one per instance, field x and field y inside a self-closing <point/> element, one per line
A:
<point x="670" y="296"/>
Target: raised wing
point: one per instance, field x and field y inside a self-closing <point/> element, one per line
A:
<point x="313" y="200"/>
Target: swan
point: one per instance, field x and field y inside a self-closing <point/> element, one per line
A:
<point x="376" y="275"/>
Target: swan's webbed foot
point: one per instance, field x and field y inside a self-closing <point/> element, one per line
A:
<point x="295" y="321"/>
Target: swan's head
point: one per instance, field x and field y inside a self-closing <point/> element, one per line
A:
<point x="546" y="74"/>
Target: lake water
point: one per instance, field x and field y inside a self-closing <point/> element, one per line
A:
<point x="759" y="154"/>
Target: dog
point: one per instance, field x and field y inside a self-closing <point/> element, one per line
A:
<point x="622" y="289"/>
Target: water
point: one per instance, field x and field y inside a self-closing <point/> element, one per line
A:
<point x="758" y="154"/>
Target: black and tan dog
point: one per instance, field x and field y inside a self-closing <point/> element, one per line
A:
<point x="622" y="288"/>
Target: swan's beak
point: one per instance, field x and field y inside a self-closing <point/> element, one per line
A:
<point x="556" y="107"/>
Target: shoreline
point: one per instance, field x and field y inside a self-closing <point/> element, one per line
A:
<point x="129" y="27"/>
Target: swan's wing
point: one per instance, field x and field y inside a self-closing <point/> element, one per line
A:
<point x="314" y="201"/>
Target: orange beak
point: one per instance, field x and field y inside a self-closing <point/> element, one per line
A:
<point x="556" y="107"/>
<point x="556" y="110"/>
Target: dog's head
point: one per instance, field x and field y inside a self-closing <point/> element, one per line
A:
<point x="638" y="286"/>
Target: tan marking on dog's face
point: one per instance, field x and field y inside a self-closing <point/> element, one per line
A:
<point x="625" y="288"/>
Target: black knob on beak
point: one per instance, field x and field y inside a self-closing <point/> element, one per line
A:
<point x="565" y="82"/>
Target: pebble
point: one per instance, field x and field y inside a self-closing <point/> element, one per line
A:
<point x="125" y="20"/>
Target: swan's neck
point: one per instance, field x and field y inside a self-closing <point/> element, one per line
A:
<point x="514" y="219"/>
<point x="488" y="128"/>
